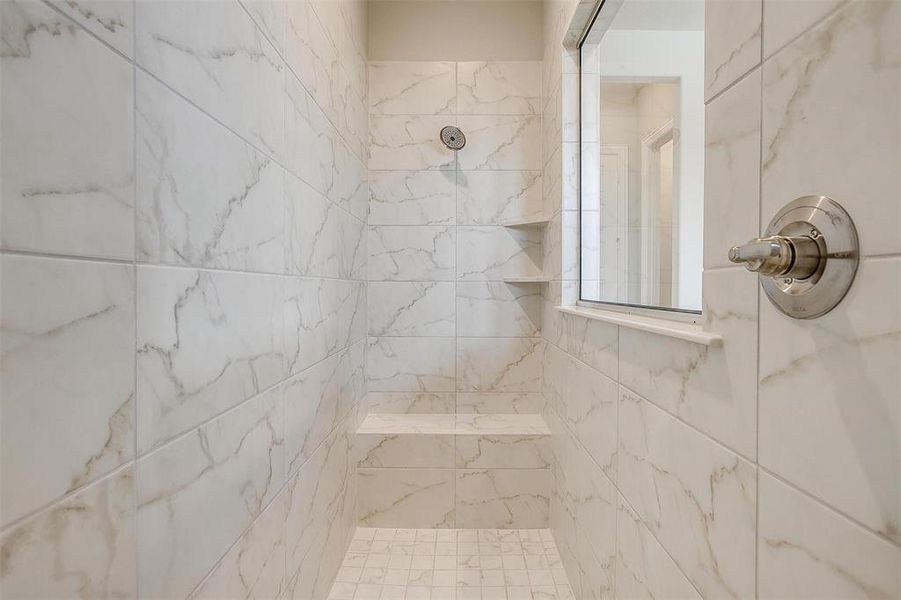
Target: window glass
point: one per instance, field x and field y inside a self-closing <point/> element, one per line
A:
<point x="642" y="154"/>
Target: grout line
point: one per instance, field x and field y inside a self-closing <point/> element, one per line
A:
<point x="140" y="68"/>
<point x="757" y="324"/>
<point x="734" y="83"/>
<point x="268" y="154"/>
<point x="828" y="507"/>
<point x="56" y="502"/>
<point x="290" y="69"/>
<point x="177" y="437"/>
<point x="275" y="497"/>
<point x="831" y="13"/>
<point x="136" y="492"/>
<point x="139" y="265"/>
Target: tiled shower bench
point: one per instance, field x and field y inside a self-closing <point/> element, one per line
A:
<point x="453" y="471"/>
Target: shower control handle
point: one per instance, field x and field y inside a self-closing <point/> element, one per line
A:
<point x="807" y="257"/>
<point x="793" y="257"/>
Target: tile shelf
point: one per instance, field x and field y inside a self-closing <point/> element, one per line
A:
<point x="535" y="279"/>
<point x="453" y="424"/>
<point x="526" y="222"/>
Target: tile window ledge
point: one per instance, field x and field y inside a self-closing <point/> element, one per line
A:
<point x="683" y="331"/>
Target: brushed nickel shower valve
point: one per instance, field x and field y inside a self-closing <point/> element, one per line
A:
<point x="807" y="258"/>
<point x="796" y="257"/>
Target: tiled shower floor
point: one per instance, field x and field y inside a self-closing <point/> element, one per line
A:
<point x="452" y="564"/>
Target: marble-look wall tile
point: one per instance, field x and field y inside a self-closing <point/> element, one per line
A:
<point x="493" y="253"/>
<point x="509" y="451"/>
<point x="270" y="16"/>
<point x="237" y="459"/>
<point x="345" y="23"/>
<point x="586" y="402"/>
<point x="411" y="253"/>
<point x="498" y="88"/>
<point x="412" y="198"/>
<point x="570" y="157"/>
<point x="312" y="143"/>
<point x="317" y="400"/>
<point x="784" y="20"/>
<point x="555" y="367"/>
<point x="317" y="153"/>
<point x="410" y="364"/>
<point x="552" y="118"/>
<point x="709" y="387"/>
<point x="643" y="568"/>
<point x="808" y="551"/>
<point x="568" y="247"/>
<point x="206" y="341"/>
<point x="829" y="390"/>
<point x="322" y="316"/>
<point x="596" y="577"/>
<point x="563" y="514"/>
<point x="595" y="343"/>
<point x="319" y="523"/>
<point x="322" y="239"/>
<point x="406" y="143"/>
<point x="502" y="498"/>
<point x="67" y="377"/>
<point x="593" y="498"/>
<point x="499" y="143"/>
<point x="412" y="88"/>
<point x="495" y="309"/>
<point x="312" y="57"/>
<point x="381" y="450"/>
<point x="350" y="107"/>
<point x="697" y="497"/>
<point x="855" y="49"/>
<point x="732" y="41"/>
<point x="214" y="55"/>
<point x="568" y="113"/>
<point x="732" y="170"/>
<point x="552" y="183"/>
<point x="45" y="556"/>
<point x="410" y="402"/>
<point x="68" y="164"/>
<point x="205" y="197"/>
<point x="110" y="20"/>
<point x="499" y="364"/>
<point x="495" y="197"/>
<point x="402" y="308"/>
<point x="255" y="566"/>
<point x="499" y="402"/>
<point x="590" y="412"/>
<point x="350" y="189"/>
<point x="421" y="498"/>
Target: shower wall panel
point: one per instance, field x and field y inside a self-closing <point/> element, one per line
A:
<point x="446" y="333"/>
<point x="184" y="206"/>
<point x="766" y="467"/>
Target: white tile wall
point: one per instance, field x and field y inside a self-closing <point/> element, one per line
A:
<point x="447" y="334"/>
<point x="81" y="199"/>
<point x="708" y="502"/>
<point x="428" y="226"/>
<point x="183" y="290"/>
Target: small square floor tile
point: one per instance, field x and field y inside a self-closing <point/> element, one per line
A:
<point x="393" y="592"/>
<point x="444" y="593"/>
<point x="418" y="593"/>
<point x="451" y="564"/>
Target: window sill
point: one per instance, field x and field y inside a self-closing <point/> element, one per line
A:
<point x="683" y="331"/>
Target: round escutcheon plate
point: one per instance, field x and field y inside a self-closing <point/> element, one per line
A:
<point x="824" y="220"/>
